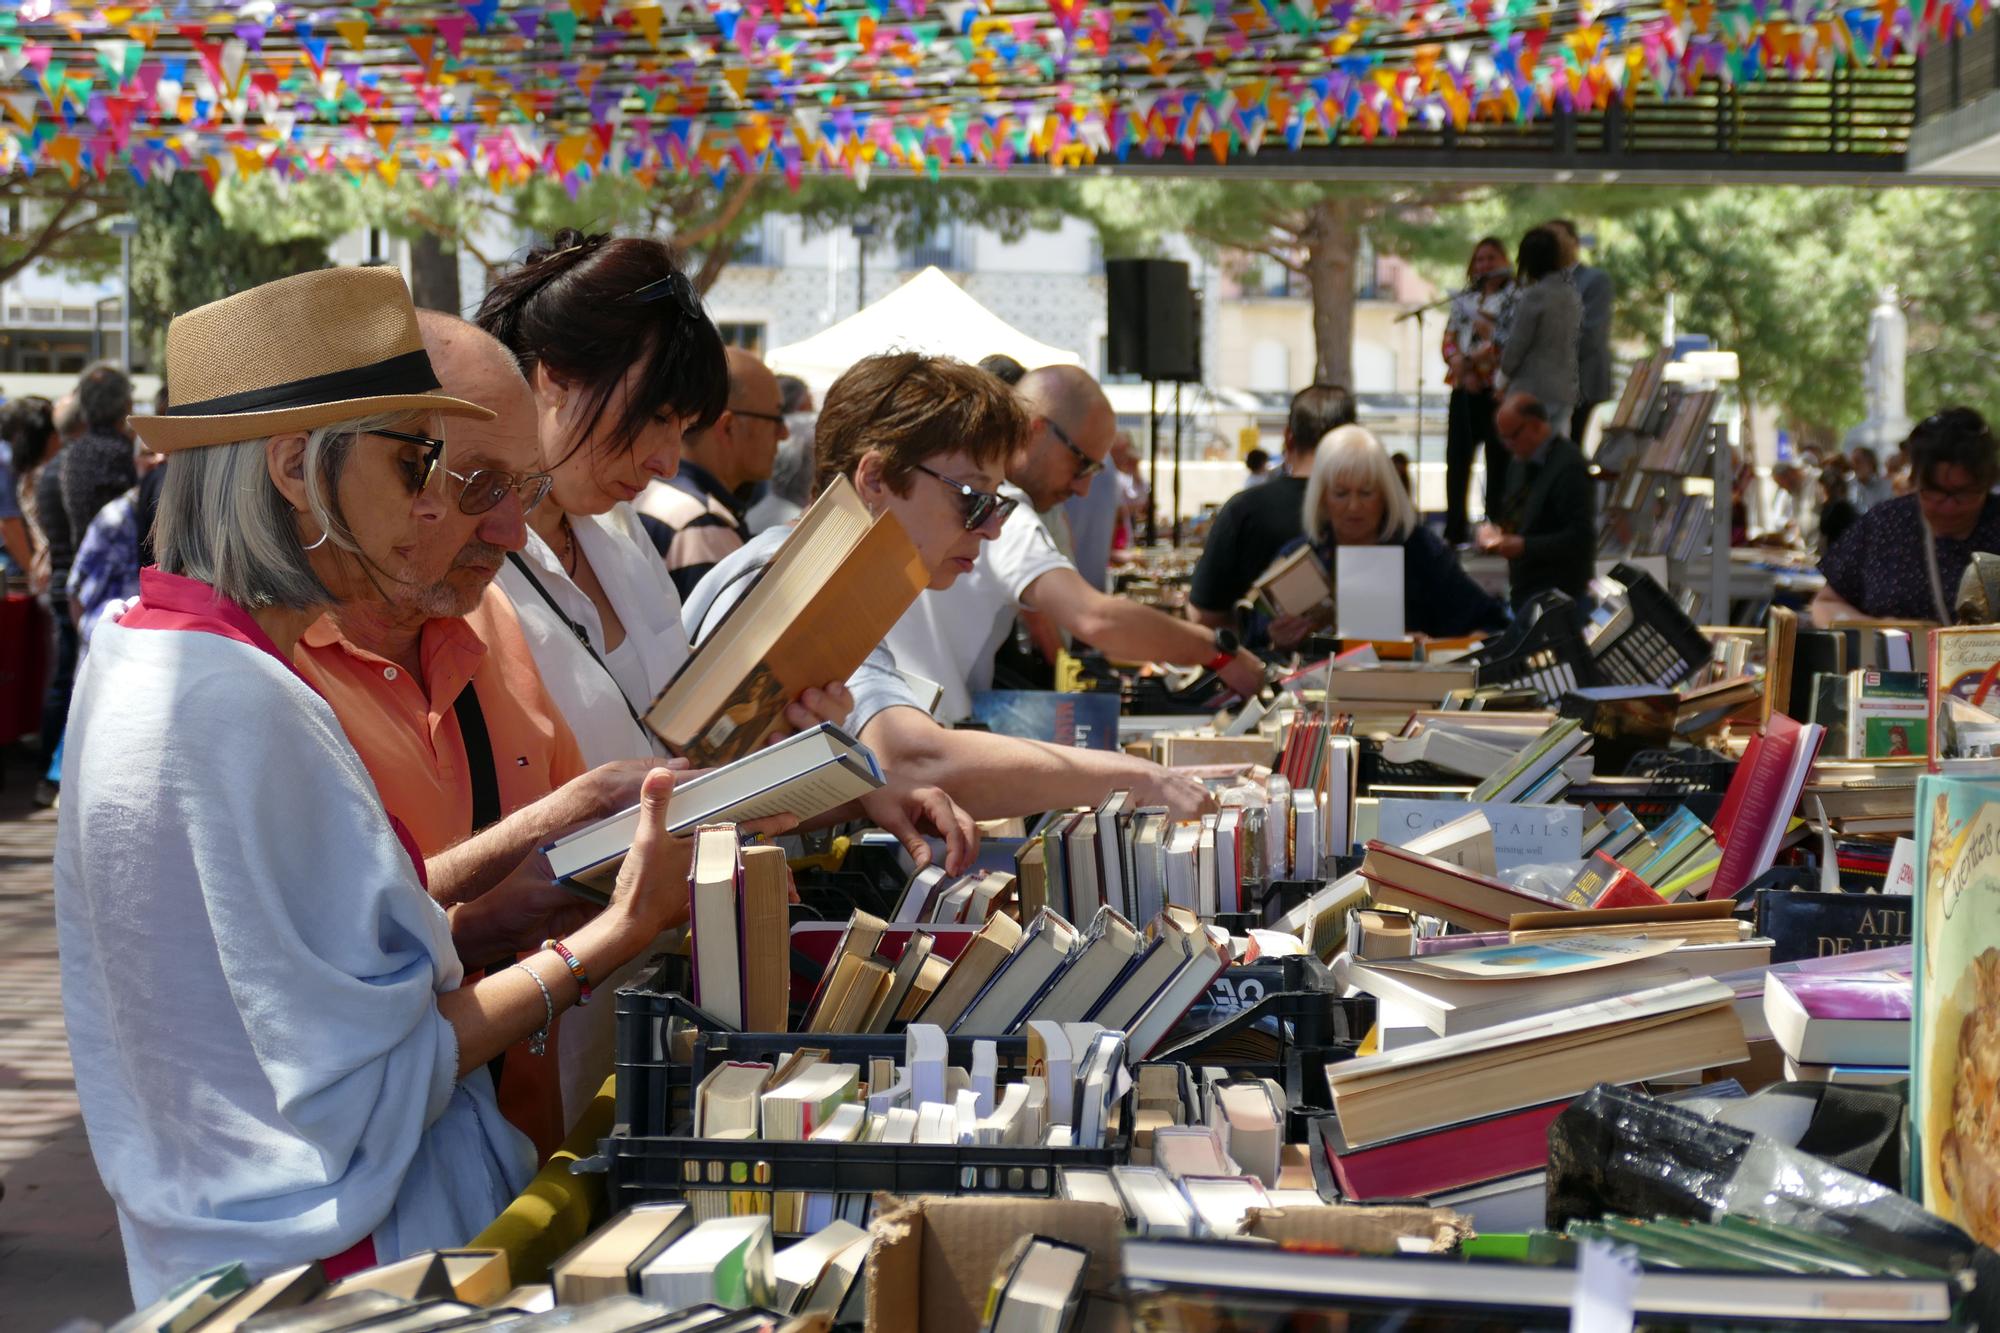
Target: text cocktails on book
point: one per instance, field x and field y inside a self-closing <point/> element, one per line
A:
<point x="1955" y="1061"/>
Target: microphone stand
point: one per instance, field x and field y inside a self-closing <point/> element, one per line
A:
<point x="1417" y="467"/>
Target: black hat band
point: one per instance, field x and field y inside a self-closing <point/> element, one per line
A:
<point x="409" y="373"/>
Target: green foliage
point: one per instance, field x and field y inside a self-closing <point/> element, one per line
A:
<point x="45" y="219"/>
<point x="186" y="255"/>
<point x="1786" y="279"/>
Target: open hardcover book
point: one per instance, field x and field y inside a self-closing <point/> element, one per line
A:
<point x="840" y="581"/>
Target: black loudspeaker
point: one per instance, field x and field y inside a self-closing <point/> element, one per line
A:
<point x="1154" y="325"/>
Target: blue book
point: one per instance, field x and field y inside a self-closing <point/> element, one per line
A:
<point x="1087" y="720"/>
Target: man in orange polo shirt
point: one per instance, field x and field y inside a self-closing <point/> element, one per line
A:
<point x="438" y="692"/>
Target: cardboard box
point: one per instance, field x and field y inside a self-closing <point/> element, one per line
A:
<point x="1359" y="1229"/>
<point x="934" y="1258"/>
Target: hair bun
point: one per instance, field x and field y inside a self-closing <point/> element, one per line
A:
<point x="569" y="244"/>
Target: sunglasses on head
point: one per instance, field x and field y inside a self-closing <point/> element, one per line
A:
<point x="480" y="490"/>
<point x="978" y="507"/>
<point x="676" y="288"/>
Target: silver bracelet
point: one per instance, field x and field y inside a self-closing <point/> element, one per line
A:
<point x="538" y="1042"/>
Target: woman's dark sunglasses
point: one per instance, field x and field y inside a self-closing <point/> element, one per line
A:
<point x="478" y="492"/>
<point x="979" y="507"/>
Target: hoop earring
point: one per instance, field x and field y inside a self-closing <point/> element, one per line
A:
<point x="316" y="545"/>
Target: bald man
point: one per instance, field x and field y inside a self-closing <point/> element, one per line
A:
<point x="950" y="637"/>
<point x="437" y="691"/>
<point x="699" y="519"/>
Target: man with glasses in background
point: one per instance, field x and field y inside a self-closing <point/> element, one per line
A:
<point x="950" y="637"/>
<point x="697" y="509"/>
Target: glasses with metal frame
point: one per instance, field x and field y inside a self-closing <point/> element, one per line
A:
<point x="674" y="287"/>
<point x="1086" y="466"/>
<point x="480" y="490"/>
<point x="775" y="417"/>
<point x="979" y="507"/>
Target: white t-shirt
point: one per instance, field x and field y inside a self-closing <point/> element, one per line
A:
<point x="951" y="636"/>
<point x="594" y="701"/>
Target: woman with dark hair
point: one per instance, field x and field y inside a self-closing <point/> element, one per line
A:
<point x="1539" y="354"/>
<point x="624" y="363"/>
<point x="1903" y="559"/>
<point x="1479" y="319"/>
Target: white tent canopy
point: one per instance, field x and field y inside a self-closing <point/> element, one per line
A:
<point x="929" y="313"/>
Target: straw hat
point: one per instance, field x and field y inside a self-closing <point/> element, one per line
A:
<point x="310" y="350"/>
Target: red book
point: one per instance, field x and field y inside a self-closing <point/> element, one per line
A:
<point x="1626" y="890"/>
<point x="1421" y="1165"/>
<point x="1760" y="801"/>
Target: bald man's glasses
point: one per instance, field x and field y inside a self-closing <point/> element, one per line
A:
<point x="480" y="490"/>
<point x="1086" y="466"/>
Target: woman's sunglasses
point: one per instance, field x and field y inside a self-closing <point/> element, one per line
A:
<point x="979" y="507"/>
<point x="479" y="491"/>
<point x="674" y="287"/>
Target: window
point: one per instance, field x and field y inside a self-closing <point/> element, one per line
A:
<point x="944" y="248"/>
<point x="749" y="337"/>
<point x="761" y="246"/>
<point x="1270" y="366"/>
<point x="1367" y="271"/>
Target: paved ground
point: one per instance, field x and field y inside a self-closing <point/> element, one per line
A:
<point x="59" y="1252"/>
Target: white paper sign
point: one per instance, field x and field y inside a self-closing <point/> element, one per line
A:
<point x="1523" y="835"/>
<point x="1368" y="592"/>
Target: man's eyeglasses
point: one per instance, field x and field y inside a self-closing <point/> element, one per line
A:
<point x="777" y="417"/>
<point x="480" y="490"/>
<point x="674" y="287"/>
<point x="979" y="507"/>
<point x="1086" y="466"/>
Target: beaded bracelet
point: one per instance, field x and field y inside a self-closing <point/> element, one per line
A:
<point x="538" y="1042"/>
<point x="575" y="969"/>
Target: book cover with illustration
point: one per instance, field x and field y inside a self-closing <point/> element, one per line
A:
<point x="1086" y="720"/>
<point x="1955" y="1051"/>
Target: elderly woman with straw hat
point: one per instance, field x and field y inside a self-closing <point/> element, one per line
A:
<point x="276" y="1057"/>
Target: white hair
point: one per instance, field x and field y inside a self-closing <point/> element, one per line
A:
<point x="1352" y="454"/>
<point x="223" y="522"/>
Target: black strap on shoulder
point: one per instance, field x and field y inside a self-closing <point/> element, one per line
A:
<point x="478" y="759"/>
<point x="582" y="633"/>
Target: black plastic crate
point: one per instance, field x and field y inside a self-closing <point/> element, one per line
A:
<point x="1543" y="650"/>
<point x="642" y="1169"/>
<point x="1659" y="646"/>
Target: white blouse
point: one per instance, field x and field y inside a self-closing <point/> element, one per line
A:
<point x="598" y="696"/>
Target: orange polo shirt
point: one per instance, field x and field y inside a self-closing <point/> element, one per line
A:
<point x="407" y="734"/>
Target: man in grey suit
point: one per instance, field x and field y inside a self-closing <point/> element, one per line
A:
<point x="1593" y="342"/>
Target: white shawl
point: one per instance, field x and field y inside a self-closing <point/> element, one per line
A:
<point x="250" y="971"/>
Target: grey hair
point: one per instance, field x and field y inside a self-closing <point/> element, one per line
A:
<point x="792" y="472"/>
<point x="222" y="521"/>
<point x="1352" y="453"/>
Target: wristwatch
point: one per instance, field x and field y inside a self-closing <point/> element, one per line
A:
<point x="1227" y="645"/>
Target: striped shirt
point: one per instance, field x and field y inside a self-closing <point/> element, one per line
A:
<point x="701" y="521"/>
